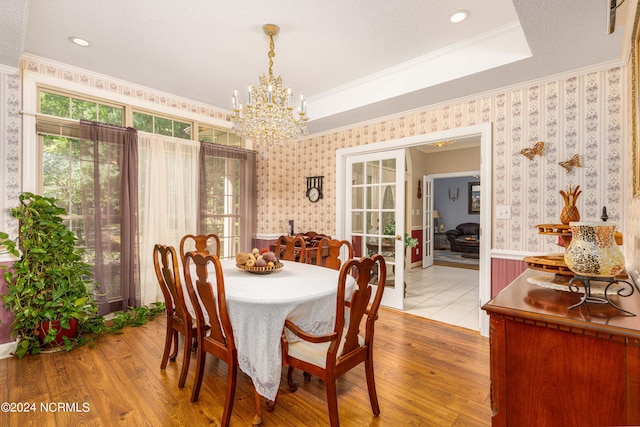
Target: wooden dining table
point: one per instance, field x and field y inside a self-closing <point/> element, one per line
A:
<point x="259" y="304"/>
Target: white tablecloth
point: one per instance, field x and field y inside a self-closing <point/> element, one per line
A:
<point x="259" y="304"/>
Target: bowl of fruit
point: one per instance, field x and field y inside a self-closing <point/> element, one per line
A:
<point x="258" y="261"/>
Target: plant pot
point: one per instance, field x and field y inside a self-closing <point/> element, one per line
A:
<point x="43" y="330"/>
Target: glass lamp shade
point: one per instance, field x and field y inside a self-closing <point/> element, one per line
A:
<point x="593" y="250"/>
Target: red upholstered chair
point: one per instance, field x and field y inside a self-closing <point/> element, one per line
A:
<point x="207" y="243"/>
<point x="291" y="249"/>
<point x="331" y="355"/>
<point x="179" y="320"/>
<point x="218" y="338"/>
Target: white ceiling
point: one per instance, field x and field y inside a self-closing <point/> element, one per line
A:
<point x="353" y="60"/>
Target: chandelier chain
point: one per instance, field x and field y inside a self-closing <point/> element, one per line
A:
<point x="272" y="53"/>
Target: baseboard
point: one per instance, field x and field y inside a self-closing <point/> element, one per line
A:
<point x="7" y="349"/>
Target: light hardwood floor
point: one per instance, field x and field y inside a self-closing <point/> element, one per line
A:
<point x="427" y="374"/>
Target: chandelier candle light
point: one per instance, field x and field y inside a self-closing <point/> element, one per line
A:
<point x="268" y="116"/>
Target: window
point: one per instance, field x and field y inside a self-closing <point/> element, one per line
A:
<point x="220" y="213"/>
<point x="215" y="136"/>
<point x="69" y="107"/>
<point x="67" y="162"/>
<point x="161" y="125"/>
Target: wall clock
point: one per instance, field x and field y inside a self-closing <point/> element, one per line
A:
<point x="314" y="188"/>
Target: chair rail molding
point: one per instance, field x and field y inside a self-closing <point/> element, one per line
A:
<point x="512" y="255"/>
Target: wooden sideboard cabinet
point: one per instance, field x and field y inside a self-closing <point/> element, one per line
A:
<point x="551" y="366"/>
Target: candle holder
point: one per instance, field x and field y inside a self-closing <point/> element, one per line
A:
<point x="593" y="251"/>
<point x="593" y="255"/>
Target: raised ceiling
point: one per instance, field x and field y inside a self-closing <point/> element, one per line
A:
<point x="353" y="60"/>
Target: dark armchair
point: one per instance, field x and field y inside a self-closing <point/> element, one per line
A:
<point x="466" y="229"/>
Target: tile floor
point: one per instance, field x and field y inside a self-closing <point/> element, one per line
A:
<point x="445" y="294"/>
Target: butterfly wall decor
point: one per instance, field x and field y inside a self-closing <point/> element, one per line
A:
<point x="530" y="152"/>
<point x="571" y="163"/>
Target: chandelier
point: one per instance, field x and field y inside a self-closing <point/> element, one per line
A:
<point x="268" y="116"/>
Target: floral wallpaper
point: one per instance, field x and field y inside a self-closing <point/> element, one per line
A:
<point x="581" y="114"/>
<point x="10" y="127"/>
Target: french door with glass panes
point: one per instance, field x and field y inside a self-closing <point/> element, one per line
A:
<point x="375" y="200"/>
<point x="427" y="222"/>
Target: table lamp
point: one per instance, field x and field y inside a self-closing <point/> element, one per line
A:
<point x="436" y="217"/>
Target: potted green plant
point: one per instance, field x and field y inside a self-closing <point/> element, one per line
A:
<point x="50" y="289"/>
<point x="390" y="230"/>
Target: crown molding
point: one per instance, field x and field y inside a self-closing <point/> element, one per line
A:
<point x="5" y="69"/>
<point x="489" y="93"/>
<point x="491" y="49"/>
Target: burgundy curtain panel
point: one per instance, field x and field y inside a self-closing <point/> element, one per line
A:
<point x="108" y="172"/>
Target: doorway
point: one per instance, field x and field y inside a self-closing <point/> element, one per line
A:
<point x="484" y="132"/>
<point x="446" y="288"/>
<point x="450" y="194"/>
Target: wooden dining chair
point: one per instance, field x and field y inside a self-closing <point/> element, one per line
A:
<point x="331" y="355"/>
<point x="331" y="260"/>
<point x="289" y="248"/>
<point x="216" y="339"/>
<point x="179" y="321"/>
<point x="200" y="243"/>
<point x="334" y="247"/>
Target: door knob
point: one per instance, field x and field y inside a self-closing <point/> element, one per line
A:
<point x="398" y="237"/>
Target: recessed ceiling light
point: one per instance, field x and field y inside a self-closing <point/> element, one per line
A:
<point x="79" y="41"/>
<point x="443" y="143"/>
<point x="459" y="16"/>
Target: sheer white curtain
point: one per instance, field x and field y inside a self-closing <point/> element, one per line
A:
<point x="168" y="200"/>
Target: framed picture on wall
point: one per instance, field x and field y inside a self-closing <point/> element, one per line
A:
<point x="474" y="198"/>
